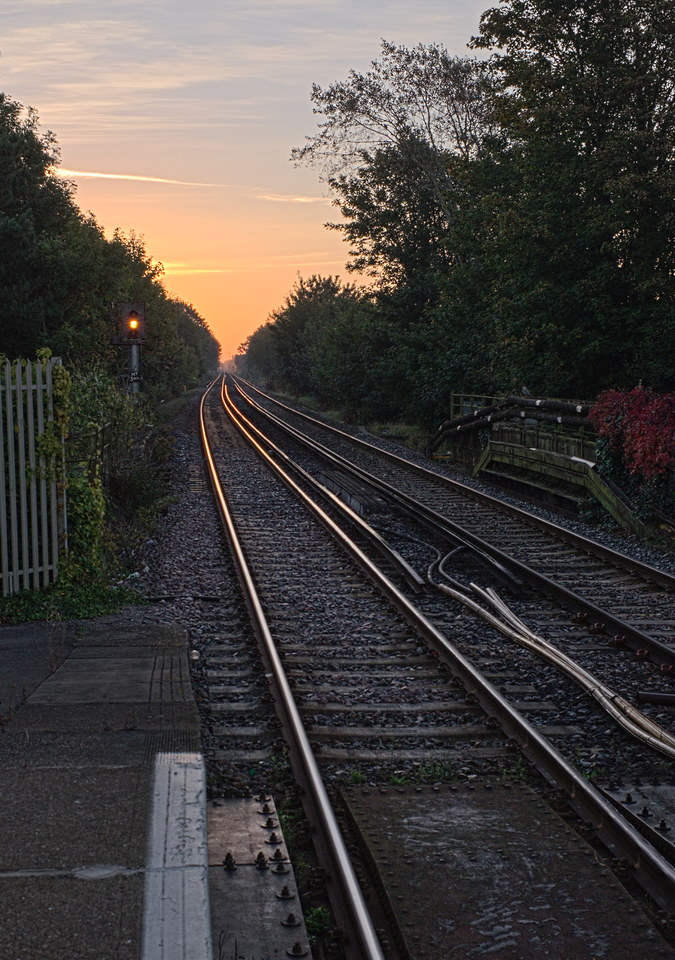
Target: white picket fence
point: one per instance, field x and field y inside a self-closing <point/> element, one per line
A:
<point x="32" y="486"/>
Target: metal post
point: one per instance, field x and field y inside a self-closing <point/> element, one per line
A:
<point x="135" y="365"/>
<point x="128" y="329"/>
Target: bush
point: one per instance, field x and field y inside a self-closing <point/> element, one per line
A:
<point x="636" y="448"/>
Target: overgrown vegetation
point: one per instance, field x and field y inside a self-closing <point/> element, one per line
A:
<point x="72" y="598"/>
<point x="512" y="218"/>
<point x="59" y="275"/>
<point x="117" y="452"/>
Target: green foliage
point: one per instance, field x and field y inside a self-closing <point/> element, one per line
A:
<point x="73" y="597"/>
<point x="319" y="923"/>
<point x="57" y="429"/>
<point x="515" y="215"/>
<point x="578" y="234"/>
<point x="83" y="587"/>
<point x="59" y="274"/>
<point x="356" y="776"/>
<point x="36" y="212"/>
<point x="293" y="349"/>
<point x="120" y="448"/>
<point x="99" y="401"/>
<point x="436" y="771"/>
<point x="396" y="234"/>
<point x="388" y="144"/>
<point x="86" y="514"/>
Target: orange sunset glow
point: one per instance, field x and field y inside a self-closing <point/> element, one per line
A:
<point x="179" y="128"/>
<point x="233" y="276"/>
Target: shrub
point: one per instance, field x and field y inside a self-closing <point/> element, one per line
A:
<point x="640" y="426"/>
<point x="636" y="445"/>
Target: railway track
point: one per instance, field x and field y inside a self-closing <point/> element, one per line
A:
<point x="586" y="633"/>
<point x="639" y="595"/>
<point x="424" y="692"/>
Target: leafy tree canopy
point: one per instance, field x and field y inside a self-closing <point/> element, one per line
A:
<point x="516" y="214"/>
<point x="59" y="274"/>
<point x="386" y="146"/>
<point x="580" y="234"/>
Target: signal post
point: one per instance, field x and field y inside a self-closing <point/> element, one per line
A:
<point x="128" y="329"/>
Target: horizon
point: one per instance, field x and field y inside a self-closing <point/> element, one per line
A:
<point x="179" y="127"/>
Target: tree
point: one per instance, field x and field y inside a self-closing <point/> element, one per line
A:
<point x="395" y="234"/>
<point x="195" y="334"/>
<point x="421" y="94"/>
<point x="386" y="147"/>
<point x="59" y="274"/>
<point x="580" y="237"/>
<point x="256" y="357"/>
<point x="311" y="306"/>
<point x="36" y="213"/>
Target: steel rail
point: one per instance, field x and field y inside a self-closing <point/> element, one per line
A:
<point x="621" y="711"/>
<point x="627" y="716"/>
<point x="345" y="893"/>
<point x="407" y="572"/>
<point x="636" y="566"/>
<point x="652" y="869"/>
<point x="660" y="652"/>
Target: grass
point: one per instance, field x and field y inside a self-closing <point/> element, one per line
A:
<point x="411" y="435"/>
<point x="65" y="601"/>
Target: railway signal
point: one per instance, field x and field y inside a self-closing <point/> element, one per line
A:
<point x="128" y="329"/>
<point x="128" y="322"/>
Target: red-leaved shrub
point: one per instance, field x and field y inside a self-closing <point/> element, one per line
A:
<point x="640" y="426"/>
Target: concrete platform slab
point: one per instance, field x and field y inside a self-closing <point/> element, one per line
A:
<point x="92" y="854"/>
<point x="28" y="656"/>
<point x="66" y="749"/>
<point x="112" y="631"/>
<point x="63" y="918"/>
<point x="113" y="679"/>
<point x="100" y="651"/>
<point x="104" y="717"/>
<point x="74" y="817"/>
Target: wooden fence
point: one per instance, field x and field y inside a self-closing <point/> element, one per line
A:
<point x="33" y="522"/>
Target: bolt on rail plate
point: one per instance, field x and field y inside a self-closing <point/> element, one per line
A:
<point x="255" y="908"/>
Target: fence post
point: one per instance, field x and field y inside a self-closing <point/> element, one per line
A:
<point x="4" y="477"/>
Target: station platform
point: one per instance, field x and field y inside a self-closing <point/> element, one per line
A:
<point x="103" y="851"/>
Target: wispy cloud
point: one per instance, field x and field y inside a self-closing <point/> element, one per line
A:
<point x="97" y="175"/>
<point x="284" y="198"/>
<point x="76" y="174"/>
<point x="184" y="270"/>
<point x="238" y="265"/>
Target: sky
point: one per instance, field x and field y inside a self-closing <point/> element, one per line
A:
<point x="176" y="120"/>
